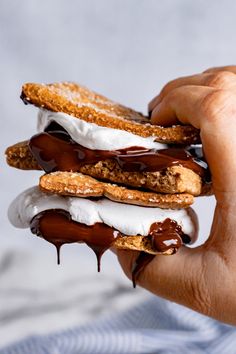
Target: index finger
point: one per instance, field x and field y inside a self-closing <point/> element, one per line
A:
<point x="181" y="105"/>
<point x="214" y="113"/>
<point x="214" y="77"/>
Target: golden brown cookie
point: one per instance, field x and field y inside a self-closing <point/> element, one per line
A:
<point x="139" y="243"/>
<point x="174" y="179"/>
<point x="79" y="185"/>
<point x="19" y="156"/>
<point x="78" y="101"/>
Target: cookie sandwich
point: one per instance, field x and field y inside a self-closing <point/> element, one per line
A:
<point x="111" y="179"/>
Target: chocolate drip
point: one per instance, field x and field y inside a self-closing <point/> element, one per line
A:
<point x="58" y="247"/>
<point x="140" y="263"/>
<point x="56" y="227"/>
<point x="56" y="151"/>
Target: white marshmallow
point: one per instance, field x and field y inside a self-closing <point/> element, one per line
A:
<point x="128" y="219"/>
<point x="93" y="136"/>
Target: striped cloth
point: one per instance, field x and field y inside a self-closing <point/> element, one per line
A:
<point x="154" y="326"/>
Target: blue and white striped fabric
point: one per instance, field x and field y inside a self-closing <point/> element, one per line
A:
<point x="154" y="326"/>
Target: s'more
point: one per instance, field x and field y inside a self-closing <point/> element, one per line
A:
<point x="110" y="178"/>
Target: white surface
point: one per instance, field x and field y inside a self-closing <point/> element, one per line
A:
<point x="93" y="136"/>
<point x="128" y="219"/>
<point x="123" y="49"/>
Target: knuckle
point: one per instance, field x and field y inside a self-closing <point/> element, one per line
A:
<point x="209" y="70"/>
<point x="165" y="90"/>
<point x="172" y="94"/>
<point x="221" y="79"/>
<point x="171" y="86"/>
<point x="218" y="104"/>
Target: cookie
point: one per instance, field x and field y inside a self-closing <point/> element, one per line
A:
<point x="139" y="243"/>
<point x="78" y="101"/>
<point x="174" y="179"/>
<point x="79" y="185"/>
<point x="20" y="156"/>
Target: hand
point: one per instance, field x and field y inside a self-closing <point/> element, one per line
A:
<point x="203" y="278"/>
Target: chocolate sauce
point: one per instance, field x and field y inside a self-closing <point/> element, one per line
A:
<point x="164" y="236"/>
<point x="56" y="227"/>
<point x="54" y="150"/>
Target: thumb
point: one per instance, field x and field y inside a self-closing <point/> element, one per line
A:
<point x="178" y="278"/>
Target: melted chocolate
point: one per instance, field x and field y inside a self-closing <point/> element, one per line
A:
<point x="54" y="150"/>
<point x="57" y="227"/>
<point x="164" y="236"/>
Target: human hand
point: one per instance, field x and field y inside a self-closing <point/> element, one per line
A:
<point x="201" y="278"/>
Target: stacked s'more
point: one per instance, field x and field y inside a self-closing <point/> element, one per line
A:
<point x="110" y="178"/>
